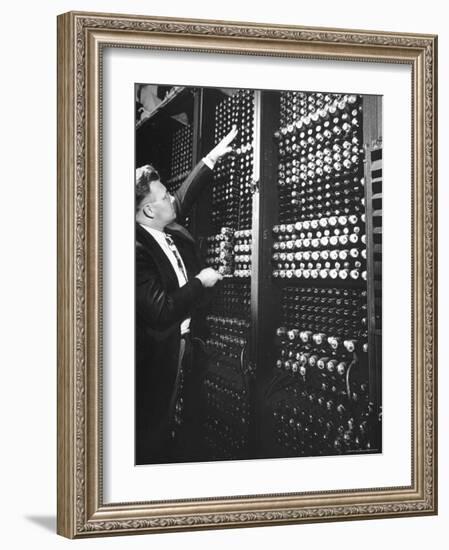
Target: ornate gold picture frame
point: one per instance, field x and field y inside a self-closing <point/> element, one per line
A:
<point x="82" y="39"/>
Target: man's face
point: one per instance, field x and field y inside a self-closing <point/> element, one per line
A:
<point x="159" y="204"/>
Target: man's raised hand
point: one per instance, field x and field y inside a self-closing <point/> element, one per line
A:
<point x="223" y="147"/>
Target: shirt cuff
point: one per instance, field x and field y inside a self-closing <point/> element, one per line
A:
<point x="209" y="162"/>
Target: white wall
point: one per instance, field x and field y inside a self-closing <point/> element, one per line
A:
<point x="28" y="272"/>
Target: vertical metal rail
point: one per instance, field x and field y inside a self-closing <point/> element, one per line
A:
<point x="371" y="318"/>
<point x="372" y="142"/>
<point x="256" y="228"/>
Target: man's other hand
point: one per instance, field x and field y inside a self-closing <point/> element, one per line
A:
<point x="209" y="277"/>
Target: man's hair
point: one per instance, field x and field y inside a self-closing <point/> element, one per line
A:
<point x="144" y="176"/>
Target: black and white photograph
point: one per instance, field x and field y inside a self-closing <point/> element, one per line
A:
<point x="258" y="273"/>
<point x="247" y="290"/>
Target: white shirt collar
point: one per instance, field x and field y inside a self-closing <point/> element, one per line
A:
<point x="157" y="233"/>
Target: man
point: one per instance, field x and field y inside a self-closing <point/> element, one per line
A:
<point x="169" y="286"/>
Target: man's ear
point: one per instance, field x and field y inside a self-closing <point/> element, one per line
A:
<point x="148" y="211"/>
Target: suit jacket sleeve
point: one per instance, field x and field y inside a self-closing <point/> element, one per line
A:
<point x="187" y="194"/>
<point x="157" y="307"/>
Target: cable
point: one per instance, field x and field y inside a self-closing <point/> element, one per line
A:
<point x="353" y="362"/>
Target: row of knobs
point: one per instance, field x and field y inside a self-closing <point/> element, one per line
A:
<point x="323" y="312"/>
<point x="228" y="335"/>
<point x="236" y="109"/>
<point x="229" y="252"/>
<point x="227" y="422"/>
<point x="320" y="154"/>
<point x="219" y="253"/>
<point x="322" y="427"/>
<point x="299" y="105"/>
<point x="181" y="153"/>
<point x="232" y="298"/>
<point x="322" y="248"/>
<point x="232" y="189"/>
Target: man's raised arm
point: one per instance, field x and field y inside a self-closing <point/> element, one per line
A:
<point x="189" y="191"/>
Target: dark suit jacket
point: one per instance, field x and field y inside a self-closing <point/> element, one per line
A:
<point x="161" y="305"/>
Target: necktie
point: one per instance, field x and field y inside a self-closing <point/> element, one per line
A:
<point x="177" y="228"/>
<point x="175" y="251"/>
